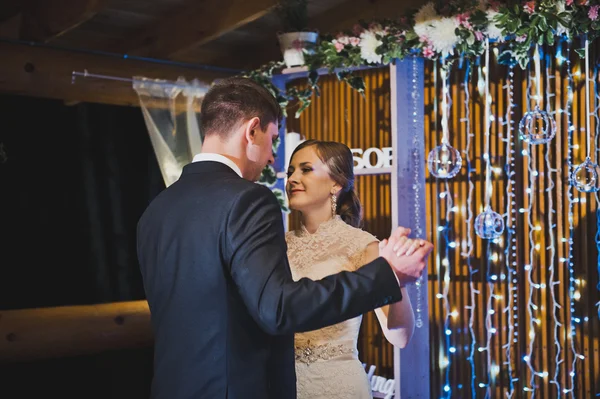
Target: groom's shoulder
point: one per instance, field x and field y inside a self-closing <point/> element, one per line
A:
<point x="249" y="191"/>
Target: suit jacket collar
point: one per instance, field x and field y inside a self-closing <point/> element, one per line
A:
<point x="208" y="167"/>
<point x="205" y="156"/>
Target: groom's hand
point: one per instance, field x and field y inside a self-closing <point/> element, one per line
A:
<point x="408" y="266"/>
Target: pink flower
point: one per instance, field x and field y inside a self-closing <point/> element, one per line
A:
<point x="478" y="35"/>
<point x="428" y="52"/>
<point x="495" y="5"/>
<point x="593" y="13"/>
<point x="521" y="39"/>
<point x="569" y="2"/>
<point x="529" y="7"/>
<point x="338" y="46"/>
<point x="463" y="19"/>
<point x="343" y="39"/>
<point x="354" y="41"/>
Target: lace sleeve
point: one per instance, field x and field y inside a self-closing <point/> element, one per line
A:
<point x="363" y="239"/>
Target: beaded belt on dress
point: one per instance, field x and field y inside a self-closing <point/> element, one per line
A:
<point x="307" y="353"/>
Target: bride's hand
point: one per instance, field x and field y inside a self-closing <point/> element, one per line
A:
<point x="397" y="234"/>
<point x="407" y="246"/>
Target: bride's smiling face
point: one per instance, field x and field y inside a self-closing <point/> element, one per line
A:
<point x="309" y="184"/>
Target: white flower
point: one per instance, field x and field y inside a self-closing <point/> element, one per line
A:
<point x="493" y="31"/>
<point x="423" y="19"/>
<point x="368" y="44"/>
<point x="442" y="35"/>
<point x="436" y="30"/>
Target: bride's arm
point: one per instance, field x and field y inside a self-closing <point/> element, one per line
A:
<point x="397" y="320"/>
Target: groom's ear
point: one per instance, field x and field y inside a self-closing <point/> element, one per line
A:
<point x="251" y="129"/>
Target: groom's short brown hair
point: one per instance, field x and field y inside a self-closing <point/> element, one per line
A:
<point x="235" y="100"/>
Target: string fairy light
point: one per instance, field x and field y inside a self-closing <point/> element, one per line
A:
<point x="550" y="227"/>
<point x="417" y="178"/>
<point x="446" y="289"/>
<point x="444" y="236"/>
<point x="511" y="240"/>
<point x="571" y="204"/>
<point x="596" y="139"/>
<point x="529" y="266"/>
<point x="570" y="199"/>
<point x="496" y="233"/>
<point x="468" y="253"/>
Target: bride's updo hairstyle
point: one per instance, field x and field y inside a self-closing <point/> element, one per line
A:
<point x="340" y="162"/>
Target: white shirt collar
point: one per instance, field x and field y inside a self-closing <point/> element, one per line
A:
<point x="217" y="158"/>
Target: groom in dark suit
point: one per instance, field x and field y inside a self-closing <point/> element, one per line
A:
<point x="212" y="251"/>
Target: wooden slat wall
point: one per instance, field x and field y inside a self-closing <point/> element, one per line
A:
<point x="342" y="115"/>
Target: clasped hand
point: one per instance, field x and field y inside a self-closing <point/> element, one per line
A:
<point x="407" y="256"/>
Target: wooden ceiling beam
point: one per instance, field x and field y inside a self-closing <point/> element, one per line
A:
<point x="44" y="20"/>
<point x="193" y="26"/>
<point x="38" y="71"/>
<point x="9" y="8"/>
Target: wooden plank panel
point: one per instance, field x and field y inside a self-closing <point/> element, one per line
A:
<point x="44" y="20"/>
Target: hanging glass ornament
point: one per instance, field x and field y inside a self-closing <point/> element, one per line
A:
<point x="489" y="224"/>
<point x="537" y="127"/>
<point x="444" y="161"/>
<point x="586" y="176"/>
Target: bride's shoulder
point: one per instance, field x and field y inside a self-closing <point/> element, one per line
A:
<point x="360" y="236"/>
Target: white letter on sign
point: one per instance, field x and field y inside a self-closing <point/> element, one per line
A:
<point x="363" y="159"/>
<point x="358" y="161"/>
<point x="367" y="158"/>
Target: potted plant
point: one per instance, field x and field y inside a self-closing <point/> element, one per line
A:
<point x="296" y="38"/>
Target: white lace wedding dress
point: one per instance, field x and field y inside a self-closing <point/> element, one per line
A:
<point x="327" y="365"/>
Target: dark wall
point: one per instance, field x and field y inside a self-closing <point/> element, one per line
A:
<point x="73" y="182"/>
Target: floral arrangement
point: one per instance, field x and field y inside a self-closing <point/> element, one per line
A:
<point x="442" y="29"/>
<point x="458" y="29"/>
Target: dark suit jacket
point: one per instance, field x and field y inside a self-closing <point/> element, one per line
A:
<point x="223" y="303"/>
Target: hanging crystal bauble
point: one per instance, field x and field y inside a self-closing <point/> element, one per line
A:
<point x="586" y="177"/>
<point x="444" y="161"/>
<point x="537" y="127"/>
<point x="489" y="224"/>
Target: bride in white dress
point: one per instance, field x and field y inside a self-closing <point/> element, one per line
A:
<point x="321" y="186"/>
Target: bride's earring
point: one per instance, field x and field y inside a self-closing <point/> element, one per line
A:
<point x="333" y="205"/>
